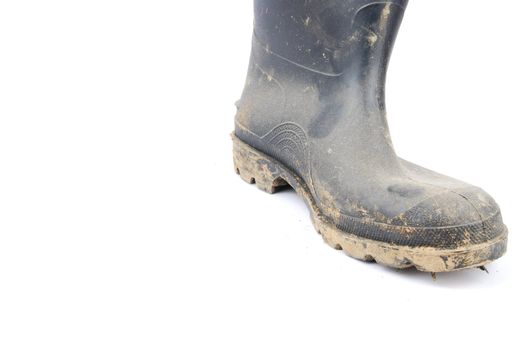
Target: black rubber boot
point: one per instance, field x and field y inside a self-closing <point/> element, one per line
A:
<point x="312" y="116"/>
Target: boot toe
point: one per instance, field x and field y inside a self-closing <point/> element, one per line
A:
<point x="450" y="208"/>
<point x="453" y="219"/>
<point x="449" y="220"/>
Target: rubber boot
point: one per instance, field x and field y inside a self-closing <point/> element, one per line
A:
<point x="312" y="116"/>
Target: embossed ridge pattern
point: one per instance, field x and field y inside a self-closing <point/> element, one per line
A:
<point x="289" y="144"/>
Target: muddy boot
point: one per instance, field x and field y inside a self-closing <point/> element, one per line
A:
<point x="312" y="116"/>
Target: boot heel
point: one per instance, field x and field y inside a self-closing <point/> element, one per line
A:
<point x="254" y="167"/>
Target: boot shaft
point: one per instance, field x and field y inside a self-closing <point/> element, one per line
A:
<point x="320" y="62"/>
<point x="330" y="36"/>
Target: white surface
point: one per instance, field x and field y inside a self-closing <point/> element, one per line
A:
<point x="123" y="226"/>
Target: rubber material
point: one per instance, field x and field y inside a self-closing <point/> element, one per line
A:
<point x="314" y="102"/>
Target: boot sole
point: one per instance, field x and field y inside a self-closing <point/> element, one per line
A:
<point x="255" y="167"/>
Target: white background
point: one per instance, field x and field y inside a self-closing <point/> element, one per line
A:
<point x="123" y="225"/>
